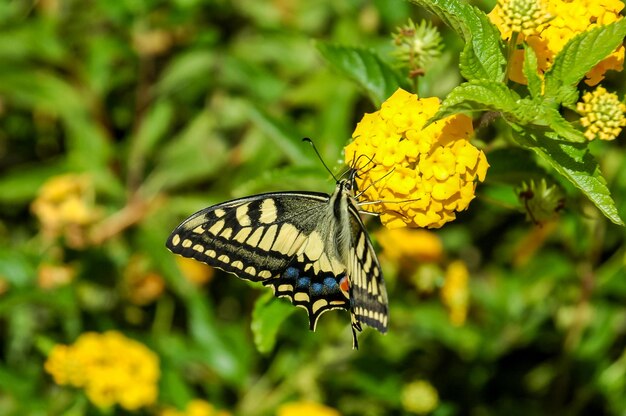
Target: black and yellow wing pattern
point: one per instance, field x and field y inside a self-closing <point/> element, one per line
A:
<point x="309" y="247"/>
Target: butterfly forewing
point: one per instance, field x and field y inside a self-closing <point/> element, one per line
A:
<point x="254" y="238"/>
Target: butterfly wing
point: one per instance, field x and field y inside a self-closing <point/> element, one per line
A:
<point x="368" y="292"/>
<point x="279" y="239"/>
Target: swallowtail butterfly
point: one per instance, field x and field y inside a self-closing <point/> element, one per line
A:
<point x="310" y="247"/>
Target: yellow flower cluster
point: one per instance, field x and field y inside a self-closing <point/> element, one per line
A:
<point x="306" y="409"/>
<point x="420" y="397"/>
<point x="195" y="408"/>
<point x="603" y="114"/>
<point x="65" y="206"/>
<point x="415" y="176"/>
<point x="568" y="18"/>
<point x="455" y="292"/>
<point x="111" y="368"/>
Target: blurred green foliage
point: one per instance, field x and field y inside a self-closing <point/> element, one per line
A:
<point x="171" y="106"/>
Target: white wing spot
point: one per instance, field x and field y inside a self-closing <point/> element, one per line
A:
<point x="198" y="248"/>
<point x="210" y="253"/>
<point x="237" y="265"/>
<point x="250" y="270"/>
<point x="285" y="288"/>
<point x="219" y="213"/>
<point x="314" y="246"/>
<point x="217" y="227"/>
<point x="187" y="243"/>
<point x="287" y="237"/>
<point x="255" y="237"/>
<point x="301" y="297"/>
<point x="176" y="240"/>
<point x="241" y="236"/>
<point x="198" y="229"/>
<point x="242" y="215"/>
<point x="319" y="304"/>
<point x="268" y="211"/>
<point x="227" y="233"/>
<point x="224" y="258"/>
<point x="264" y="274"/>
<point x="268" y="238"/>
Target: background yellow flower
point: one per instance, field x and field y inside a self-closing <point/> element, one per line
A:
<point x="112" y="369"/>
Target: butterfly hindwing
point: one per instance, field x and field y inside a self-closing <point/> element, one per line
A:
<point x="367" y="285"/>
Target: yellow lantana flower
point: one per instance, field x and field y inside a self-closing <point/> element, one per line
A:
<point x="65" y="206"/>
<point x="455" y="292"/>
<point x="567" y="18"/>
<point x="306" y="409"/>
<point x="603" y="114"/>
<point x="111" y="368"/>
<point x="415" y="176"/>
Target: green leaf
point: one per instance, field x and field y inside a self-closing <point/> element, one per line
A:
<point x="530" y="71"/>
<point x="579" y="56"/>
<point x="286" y="137"/>
<point x="20" y="185"/>
<point x="576" y="164"/>
<point x="184" y="70"/>
<point x="483" y="55"/>
<point x="560" y="126"/>
<point x="269" y="313"/>
<point x="196" y="153"/>
<point x="482" y="95"/>
<point x="153" y="128"/>
<point x="365" y="68"/>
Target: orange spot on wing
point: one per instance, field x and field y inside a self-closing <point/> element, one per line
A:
<point x="344" y="284"/>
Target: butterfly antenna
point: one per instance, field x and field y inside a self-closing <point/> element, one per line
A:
<point x="306" y="139"/>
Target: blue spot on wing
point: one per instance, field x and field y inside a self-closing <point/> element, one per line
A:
<point x="291" y="273"/>
<point x="303" y="283"/>
<point x="317" y="289"/>
<point x="331" y="283"/>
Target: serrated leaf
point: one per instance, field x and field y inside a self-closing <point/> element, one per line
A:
<point x="364" y="67"/>
<point x="580" y="55"/>
<point x="561" y="127"/>
<point x="575" y="163"/>
<point x="480" y="95"/>
<point x="530" y="71"/>
<point x="267" y="317"/>
<point x="483" y="55"/>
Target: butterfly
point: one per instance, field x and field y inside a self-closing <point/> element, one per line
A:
<point x="309" y="247"/>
